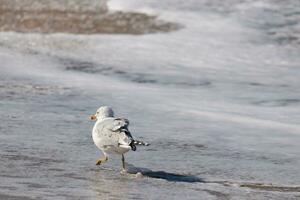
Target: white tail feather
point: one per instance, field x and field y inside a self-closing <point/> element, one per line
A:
<point x="137" y="142"/>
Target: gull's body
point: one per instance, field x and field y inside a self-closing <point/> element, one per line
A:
<point x="111" y="135"/>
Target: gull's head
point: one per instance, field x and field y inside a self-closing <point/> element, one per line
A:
<point x="103" y="112"/>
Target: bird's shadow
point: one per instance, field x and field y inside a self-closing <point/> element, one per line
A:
<point x="172" y="177"/>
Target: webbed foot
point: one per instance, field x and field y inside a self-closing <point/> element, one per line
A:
<point x="101" y="160"/>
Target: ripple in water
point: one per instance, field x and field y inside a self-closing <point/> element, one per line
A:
<point x="136" y="77"/>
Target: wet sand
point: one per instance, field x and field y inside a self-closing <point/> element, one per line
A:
<point x="48" y="153"/>
<point x="217" y="100"/>
<point x="81" y="22"/>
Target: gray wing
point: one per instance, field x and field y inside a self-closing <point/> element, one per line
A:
<point x="115" y="132"/>
<point x="121" y="127"/>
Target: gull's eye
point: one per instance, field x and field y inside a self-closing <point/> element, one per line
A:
<point x="97" y="112"/>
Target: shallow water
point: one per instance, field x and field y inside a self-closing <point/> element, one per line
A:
<point x="218" y="100"/>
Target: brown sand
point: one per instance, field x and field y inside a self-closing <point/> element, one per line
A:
<point x="80" y="22"/>
<point x="271" y="187"/>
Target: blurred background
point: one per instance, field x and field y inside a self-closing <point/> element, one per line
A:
<point x="213" y="85"/>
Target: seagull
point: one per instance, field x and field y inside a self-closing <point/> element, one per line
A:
<point x="111" y="135"/>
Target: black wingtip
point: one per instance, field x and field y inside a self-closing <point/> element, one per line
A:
<point x="132" y="145"/>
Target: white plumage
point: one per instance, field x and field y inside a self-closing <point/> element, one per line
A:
<point x="111" y="135"/>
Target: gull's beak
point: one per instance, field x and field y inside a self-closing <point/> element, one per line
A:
<point x="93" y="117"/>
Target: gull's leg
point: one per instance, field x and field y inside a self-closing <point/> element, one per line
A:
<point x="102" y="160"/>
<point x="123" y="163"/>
